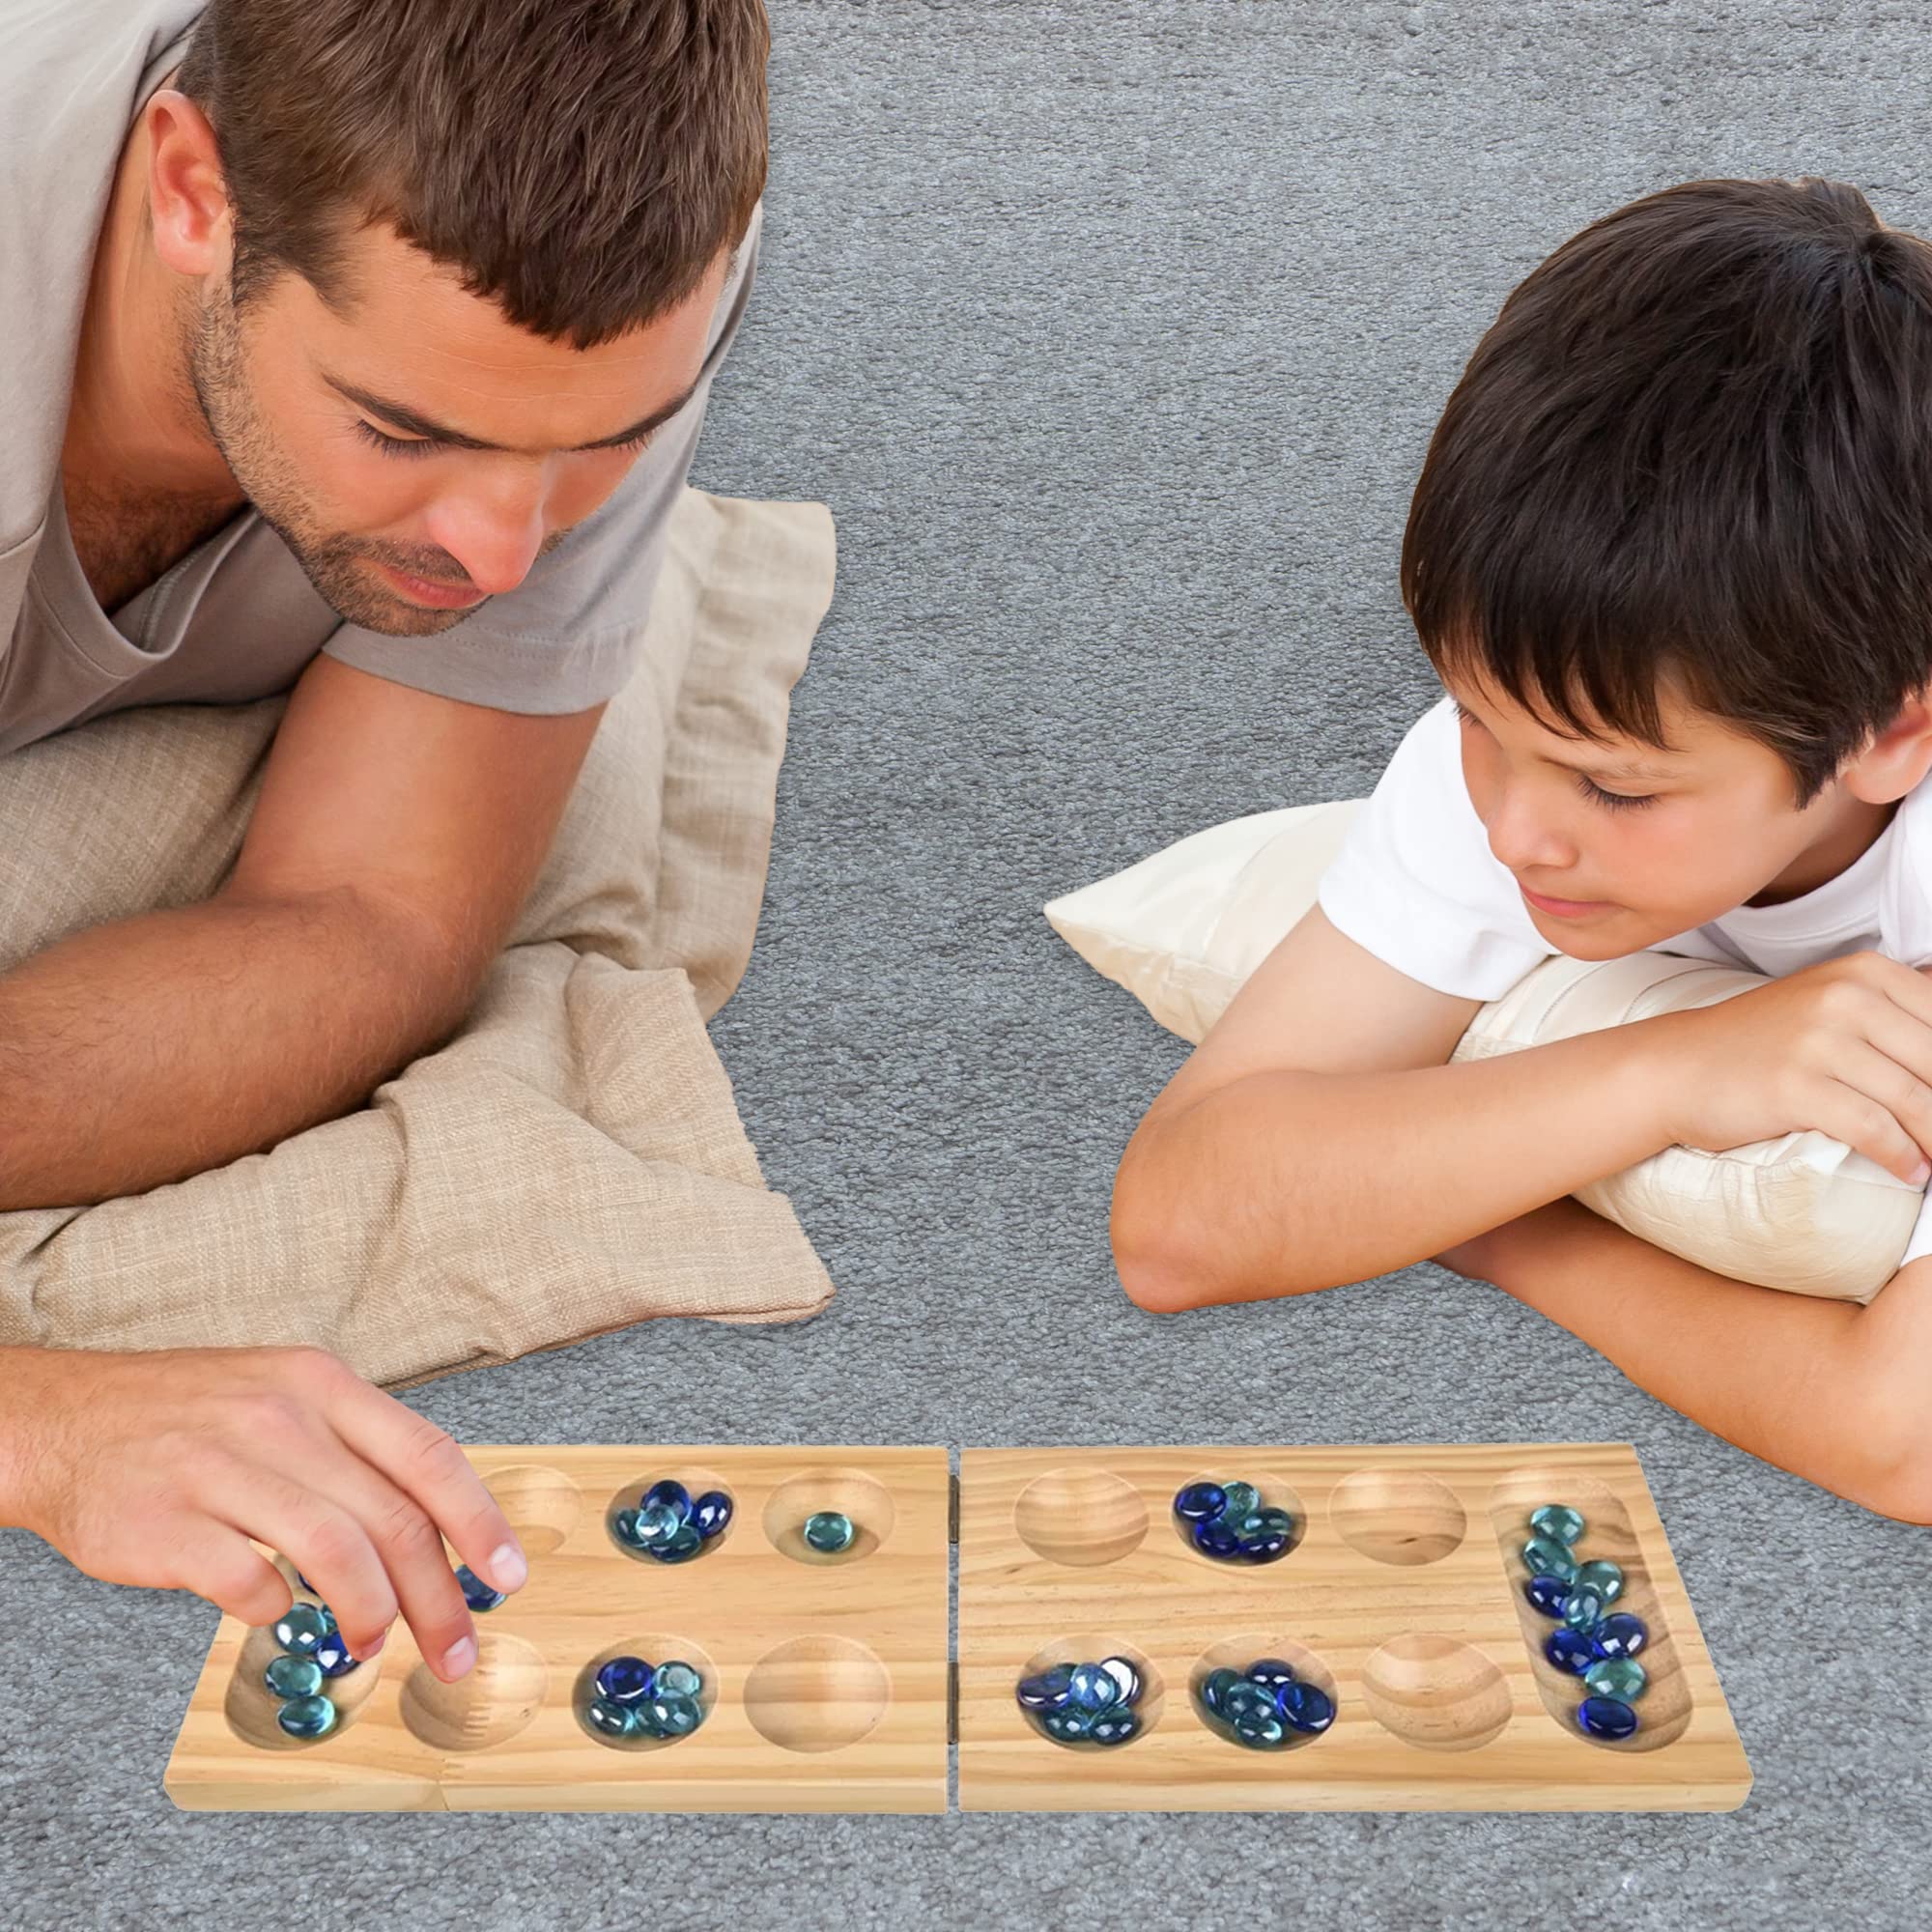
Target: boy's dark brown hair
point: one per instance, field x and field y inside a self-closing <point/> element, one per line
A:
<point x="579" y="162"/>
<point x="1695" y="443"/>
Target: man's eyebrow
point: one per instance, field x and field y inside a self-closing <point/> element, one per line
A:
<point x="418" y="424"/>
<point x="1616" y="768"/>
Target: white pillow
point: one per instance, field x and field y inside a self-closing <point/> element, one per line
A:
<point x="1182" y="931"/>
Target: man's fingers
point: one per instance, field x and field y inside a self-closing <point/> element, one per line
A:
<point x="218" y="1562"/>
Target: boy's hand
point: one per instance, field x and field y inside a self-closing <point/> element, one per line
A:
<point x="1843" y="1046"/>
<point x="156" y="1468"/>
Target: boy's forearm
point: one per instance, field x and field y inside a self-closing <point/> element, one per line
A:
<point x="154" y="1048"/>
<point x="1289" y="1180"/>
<point x="1831" y="1390"/>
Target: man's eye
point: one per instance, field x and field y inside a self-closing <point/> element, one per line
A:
<point x="393" y="445"/>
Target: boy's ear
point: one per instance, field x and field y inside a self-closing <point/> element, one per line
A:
<point x="1897" y="758"/>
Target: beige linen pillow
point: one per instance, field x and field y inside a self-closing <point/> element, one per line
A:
<point x="1182" y="930"/>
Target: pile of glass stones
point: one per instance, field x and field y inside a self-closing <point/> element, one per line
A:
<point x="636" y="1699"/>
<point x="668" y="1524"/>
<point x="829" y="1532"/>
<point x="311" y="1653"/>
<point x="1085" y="1703"/>
<point x="1590" y="1640"/>
<point x="1264" y="1703"/>
<point x="1228" y="1521"/>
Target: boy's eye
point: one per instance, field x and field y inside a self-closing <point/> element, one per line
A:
<point x="1617" y="801"/>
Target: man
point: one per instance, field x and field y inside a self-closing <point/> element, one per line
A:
<point x="357" y="347"/>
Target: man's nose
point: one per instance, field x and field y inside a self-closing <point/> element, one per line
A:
<point x="495" y="538"/>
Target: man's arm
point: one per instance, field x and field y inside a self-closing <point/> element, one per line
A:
<point x="1833" y="1392"/>
<point x="395" y="839"/>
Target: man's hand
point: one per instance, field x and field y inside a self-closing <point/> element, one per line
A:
<point x="1843" y="1046"/>
<point x="156" y="1468"/>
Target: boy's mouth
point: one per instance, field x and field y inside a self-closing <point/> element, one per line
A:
<point x="1562" y="908"/>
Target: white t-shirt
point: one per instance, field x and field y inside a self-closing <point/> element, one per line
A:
<point x="1416" y="884"/>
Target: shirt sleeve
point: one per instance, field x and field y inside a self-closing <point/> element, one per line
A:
<point x="567" y="637"/>
<point x="1416" y="881"/>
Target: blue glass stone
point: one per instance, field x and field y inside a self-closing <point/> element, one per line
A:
<point x="1547" y="1593"/>
<point x="626" y="1680"/>
<point x="1216" y="1538"/>
<point x="1068" y="1725"/>
<point x="332" y="1654"/>
<point x="292" y="1676"/>
<point x="1307" y="1707"/>
<point x="1214" y="1687"/>
<point x="1270" y="1671"/>
<point x="1546" y="1557"/>
<point x="1582" y="1609"/>
<point x="1620" y="1635"/>
<point x="681" y="1548"/>
<point x="476" y="1593"/>
<point x="1092" y="1687"/>
<point x="678" y="1679"/>
<point x="1606" y="1717"/>
<point x="1573" y="1651"/>
<point x="1620" y="1677"/>
<point x="1239" y="1499"/>
<point x="1244" y="1700"/>
<point x="1602" y="1577"/>
<point x="1115" y="1726"/>
<point x="1265" y="1548"/>
<point x="1048" y="1690"/>
<point x="671" y="1716"/>
<point x="829" y="1532"/>
<point x="656" y="1525"/>
<point x="1264" y="1732"/>
<point x="1558" y="1521"/>
<point x="669" y="1493"/>
<point x="303" y="1627"/>
<point x="710" y="1513"/>
<point x="614" y="1720"/>
<point x="1126" y="1679"/>
<point x="1200" y="1502"/>
<point x="306" y="1717"/>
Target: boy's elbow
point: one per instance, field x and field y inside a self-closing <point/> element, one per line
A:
<point x="1163" y="1267"/>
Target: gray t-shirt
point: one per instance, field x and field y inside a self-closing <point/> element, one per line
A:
<point x="237" y="618"/>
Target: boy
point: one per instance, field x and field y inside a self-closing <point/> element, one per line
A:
<point x="1671" y="557"/>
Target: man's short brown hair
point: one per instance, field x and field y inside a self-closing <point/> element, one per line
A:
<point x="580" y="163"/>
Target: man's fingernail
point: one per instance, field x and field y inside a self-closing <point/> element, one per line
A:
<point x="460" y="1656"/>
<point x="507" y="1569"/>
<point x="1922" y="1174"/>
<point x="369" y="1650"/>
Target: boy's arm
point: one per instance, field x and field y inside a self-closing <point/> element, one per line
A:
<point x="1833" y="1392"/>
<point x="1319" y="1135"/>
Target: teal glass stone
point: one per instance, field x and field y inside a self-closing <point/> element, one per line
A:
<point x="305" y="1625"/>
<point x="657" y="1523"/>
<point x="1582" y="1609"/>
<point x="1603" y="1576"/>
<point x="1126" y="1679"/>
<point x="1068" y="1725"/>
<point x="624" y="1525"/>
<point x="1244" y="1700"/>
<point x="612" y="1719"/>
<point x="1620" y="1677"/>
<point x="678" y="1679"/>
<point x="1240" y="1500"/>
<point x="681" y="1548"/>
<point x="306" y="1717"/>
<point x="1264" y="1732"/>
<point x="1606" y="1717"/>
<point x="292" y="1676"/>
<point x="1115" y="1726"/>
<point x="1546" y="1557"/>
<point x="1214" y="1687"/>
<point x="1558" y="1521"/>
<point x="829" y="1532"/>
<point x="1271" y="1521"/>
<point x="1092" y="1687"/>
<point x="671" y="1716"/>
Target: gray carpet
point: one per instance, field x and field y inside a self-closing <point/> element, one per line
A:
<point x="1113" y="335"/>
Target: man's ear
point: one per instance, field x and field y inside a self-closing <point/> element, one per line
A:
<point x="188" y="198"/>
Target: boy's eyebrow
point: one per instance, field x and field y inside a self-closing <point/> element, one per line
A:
<point x="1616" y="768"/>
<point x="418" y="424"/>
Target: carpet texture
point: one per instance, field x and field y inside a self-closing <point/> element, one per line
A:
<point x="1112" y="336"/>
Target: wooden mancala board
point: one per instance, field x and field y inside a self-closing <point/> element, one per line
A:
<point x="826" y="1676"/>
<point x="1402" y="1598"/>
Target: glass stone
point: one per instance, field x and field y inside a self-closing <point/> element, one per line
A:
<point x="678" y="1679"/>
<point x="1558" y="1521"/>
<point x="1092" y="1687"/>
<point x="682" y="1546"/>
<point x="1243" y="1700"/>
<point x="1582" y="1609"/>
<point x="292" y="1676"/>
<point x="1306" y="1706"/>
<point x="1241" y="1500"/>
<point x="1274" y="1522"/>
<point x="1215" y="1537"/>
<point x="303" y="1628"/>
<point x="1620" y="1677"/>
<point x="1214" y="1687"/>
<point x="306" y="1584"/>
<point x="1068" y="1725"/>
<point x="1126" y="1679"/>
<point x="1546" y="1557"/>
<point x="1547" y="1594"/>
<point x="711" y="1512"/>
<point x="624" y="1525"/>
<point x="657" y="1523"/>
<point x="1602" y="1577"/>
<point x="1570" y="1650"/>
<point x="1200" y="1502"/>
<point x="476" y="1593"/>
<point x="1260" y="1733"/>
<point x="672" y="1715"/>
<point x="1046" y="1692"/>
<point x="829" y="1532"/>
<point x="1606" y="1717"/>
<point x="626" y="1680"/>
<point x="332" y="1654"/>
<point x="1264" y="1548"/>
<point x="614" y="1720"/>
<point x="668" y="1493"/>
<point x="1115" y="1726"/>
<point x="1271" y="1672"/>
<point x="306" y="1717"/>
<point x="1620" y="1635"/>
